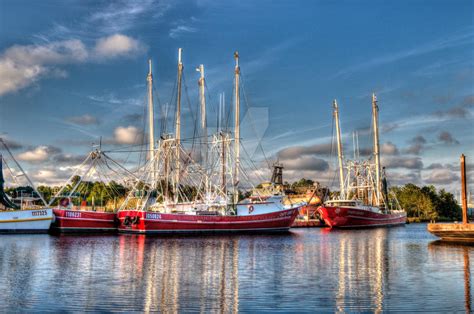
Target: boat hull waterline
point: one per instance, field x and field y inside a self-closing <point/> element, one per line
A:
<point x="26" y="221"/>
<point x="132" y="221"/>
<point x="73" y="221"/>
<point x="350" y="217"/>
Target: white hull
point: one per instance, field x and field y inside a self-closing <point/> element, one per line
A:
<point x="26" y="221"/>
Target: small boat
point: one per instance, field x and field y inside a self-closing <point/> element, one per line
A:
<point x="22" y="214"/>
<point x="159" y="203"/>
<point x="370" y="204"/>
<point x="83" y="217"/>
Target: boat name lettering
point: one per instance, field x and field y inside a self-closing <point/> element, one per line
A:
<point x="351" y="212"/>
<point x="73" y="214"/>
<point x="153" y="216"/>
<point x="39" y="213"/>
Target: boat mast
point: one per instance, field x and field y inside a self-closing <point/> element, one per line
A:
<point x="339" y="150"/>
<point x="178" y="122"/>
<point x="151" y="117"/>
<point x="202" y="98"/>
<point x="237" y="128"/>
<point x="375" y="117"/>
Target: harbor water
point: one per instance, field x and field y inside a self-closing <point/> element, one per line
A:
<point x="306" y="270"/>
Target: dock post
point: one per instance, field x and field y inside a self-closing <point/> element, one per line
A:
<point x="464" y="189"/>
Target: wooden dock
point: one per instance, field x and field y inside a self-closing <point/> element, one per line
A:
<point x="462" y="232"/>
<point x="453" y="232"/>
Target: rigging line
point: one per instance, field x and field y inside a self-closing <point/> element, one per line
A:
<point x="251" y="120"/>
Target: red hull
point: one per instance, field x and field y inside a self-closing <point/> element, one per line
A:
<point x="83" y="221"/>
<point x="150" y="222"/>
<point x="352" y="217"/>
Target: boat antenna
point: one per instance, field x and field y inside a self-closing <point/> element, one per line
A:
<point x="237" y="128"/>
<point x="375" y="117"/>
<point x="339" y="150"/>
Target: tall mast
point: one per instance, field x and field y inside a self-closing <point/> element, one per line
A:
<point x="339" y="150"/>
<point x="375" y="117"/>
<point x="202" y="99"/>
<point x="237" y="128"/>
<point x="151" y="117"/>
<point x="178" y="121"/>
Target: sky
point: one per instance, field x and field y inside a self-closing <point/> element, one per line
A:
<point x="73" y="71"/>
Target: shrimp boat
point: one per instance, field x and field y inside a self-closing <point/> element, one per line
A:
<point x="22" y="214"/>
<point x="73" y="214"/>
<point x="178" y="195"/>
<point x="364" y="200"/>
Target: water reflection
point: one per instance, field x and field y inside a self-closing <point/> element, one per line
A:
<point x="206" y="273"/>
<point x="377" y="270"/>
<point x="363" y="270"/>
<point x="453" y="249"/>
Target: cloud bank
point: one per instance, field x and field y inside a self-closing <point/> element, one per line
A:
<point x="23" y="65"/>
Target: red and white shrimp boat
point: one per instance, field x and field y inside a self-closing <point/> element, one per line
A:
<point x="70" y="218"/>
<point x="366" y="185"/>
<point x="353" y="214"/>
<point x="150" y="207"/>
<point x="73" y="220"/>
<point x="152" y="222"/>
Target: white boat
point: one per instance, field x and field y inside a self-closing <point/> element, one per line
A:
<point x="22" y="214"/>
<point x="26" y="220"/>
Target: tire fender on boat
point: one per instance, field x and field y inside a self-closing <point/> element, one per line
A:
<point x="251" y="209"/>
<point x="135" y="220"/>
<point x="126" y="221"/>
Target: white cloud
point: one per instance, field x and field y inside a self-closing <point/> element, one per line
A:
<point x="23" y="65"/>
<point x="117" y="45"/>
<point x="40" y="153"/>
<point x="181" y="29"/>
<point x="128" y="135"/>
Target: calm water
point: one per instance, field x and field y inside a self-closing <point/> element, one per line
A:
<point x="309" y="269"/>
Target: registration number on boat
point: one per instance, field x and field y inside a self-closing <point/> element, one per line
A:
<point x="153" y="216"/>
<point x="73" y="214"/>
<point x="39" y="213"/>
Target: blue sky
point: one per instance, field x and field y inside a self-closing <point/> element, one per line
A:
<point x="71" y="71"/>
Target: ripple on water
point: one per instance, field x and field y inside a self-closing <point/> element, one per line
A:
<point x="395" y="269"/>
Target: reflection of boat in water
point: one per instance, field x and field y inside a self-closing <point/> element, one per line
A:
<point x="364" y="199"/>
<point x="362" y="272"/>
<point x="167" y="276"/>
<point x="27" y="212"/>
<point x="447" y="247"/>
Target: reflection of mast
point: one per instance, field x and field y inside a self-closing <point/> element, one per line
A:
<point x="467" y="280"/>
<point x="339" y="151"/>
